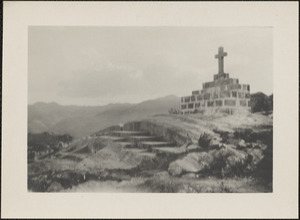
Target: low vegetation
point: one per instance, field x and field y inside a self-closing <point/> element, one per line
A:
<point x="39" y="142"/>
<point x="45" y="144"/>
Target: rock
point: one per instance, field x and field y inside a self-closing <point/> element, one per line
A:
<point x="192" y="163"/>
<point x="55" y="187"/>
<point x="242" y="143"/>
<point x="256" y="154"/>
<point x="175" y="169"/>
<point x="214" y="142"/>
<point x="226" y="161"/>
<point x="234" y="160"/>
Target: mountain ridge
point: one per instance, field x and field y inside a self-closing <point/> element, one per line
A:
<point x="80" y="121"/>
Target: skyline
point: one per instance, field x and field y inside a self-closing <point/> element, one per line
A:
<point x="103" y="65"/>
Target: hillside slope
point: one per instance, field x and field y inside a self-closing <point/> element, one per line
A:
<point x="237" y="159"/>
<point x="80" y="121"/>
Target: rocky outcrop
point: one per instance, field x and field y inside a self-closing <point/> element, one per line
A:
<point x="225" y="161"/>
<point x="55" y="187"/>
<point x="192" y="163"/>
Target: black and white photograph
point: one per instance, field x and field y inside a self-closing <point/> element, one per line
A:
<point x="150" y="110"/>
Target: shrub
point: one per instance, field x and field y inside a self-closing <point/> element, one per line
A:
<point x="224" y="135"/>
<point x="249" y="136"/>
<point x="204" y="140"/>
<point x="226" y="189"/>
<point x="245" y="134"/>
<point x="264" y="168"/>
<point x="39" y="142"/>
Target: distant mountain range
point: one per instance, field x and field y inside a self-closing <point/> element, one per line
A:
<point x="79" y="121"/>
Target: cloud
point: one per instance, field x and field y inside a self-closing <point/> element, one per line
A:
<point x="115" y="79"/>
<point x="124" y="64"/>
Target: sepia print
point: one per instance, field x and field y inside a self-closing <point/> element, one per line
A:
<point x="150" y="109"/>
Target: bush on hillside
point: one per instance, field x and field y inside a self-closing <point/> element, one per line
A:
<point x="204" y="140"/>
<point x="45" y="141"/>
<point x="224" y="135"/>
<point x="245" y="134"/>
<point x="261" y="103"/>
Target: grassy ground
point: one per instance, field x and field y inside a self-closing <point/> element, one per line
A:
<point x="162" y="182"/>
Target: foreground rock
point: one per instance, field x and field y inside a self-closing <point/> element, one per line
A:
<point x="55" y="187"/>
<point x="222" y="162"/>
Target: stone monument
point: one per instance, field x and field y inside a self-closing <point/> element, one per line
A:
<point x="223" y="94"/>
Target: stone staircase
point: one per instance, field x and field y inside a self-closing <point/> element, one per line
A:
<point x="139" y="141"/>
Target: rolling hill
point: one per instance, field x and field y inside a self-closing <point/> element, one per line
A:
<point x="80" y="121"/>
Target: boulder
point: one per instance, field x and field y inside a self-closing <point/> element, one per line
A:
<point x="242" y="144"/>
<point x="224" y="161"/>
<point x="257" y="154"/>
<point x="192" y="163"/>
<point x="55" y="187"/>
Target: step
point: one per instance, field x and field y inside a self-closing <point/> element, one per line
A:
<point x="155" y="144"/>
<point x="113" y="138"/>
<point x="136" y="150"/>
<point x="128" y="133"/>
<point x="171" y="150"/>
<point x="176" y="150"/>
<point x="148" y="154"/>
<point x="142" y="138"/>
<point x="125" y="144"/>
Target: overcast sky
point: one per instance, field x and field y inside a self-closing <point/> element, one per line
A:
<point x="101" y="65"/>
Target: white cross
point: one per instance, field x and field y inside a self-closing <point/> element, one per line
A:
<point x="220" y="56"/>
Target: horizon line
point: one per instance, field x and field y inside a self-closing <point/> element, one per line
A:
<point x="118" y="103"/>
